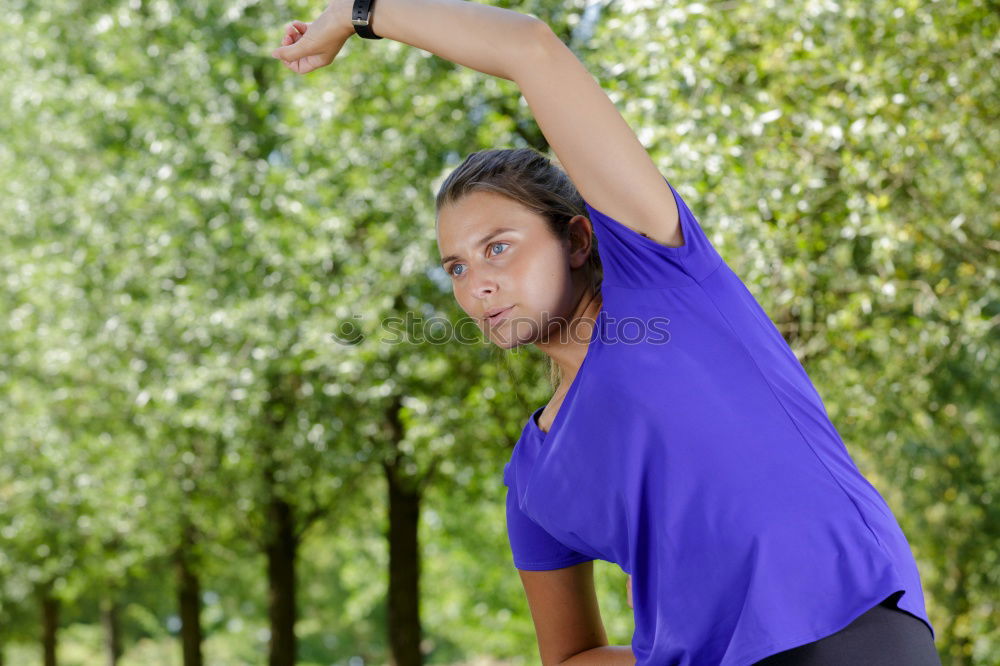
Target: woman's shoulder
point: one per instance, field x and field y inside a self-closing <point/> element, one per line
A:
<point x="630" y="258"/>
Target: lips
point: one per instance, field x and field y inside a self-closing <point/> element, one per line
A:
<point x="492" y="315"/>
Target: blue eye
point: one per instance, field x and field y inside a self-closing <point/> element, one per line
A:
<point x="451" y="271"/>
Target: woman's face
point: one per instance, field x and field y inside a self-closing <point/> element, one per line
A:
<point x="499" y="254"/>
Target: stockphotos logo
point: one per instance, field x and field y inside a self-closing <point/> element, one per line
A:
<point x="413" y="329"/>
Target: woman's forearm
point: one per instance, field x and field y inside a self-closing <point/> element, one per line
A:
<point x="609" y="655"/>
<point x="484" y="38"/>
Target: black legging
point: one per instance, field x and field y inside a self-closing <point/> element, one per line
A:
<point x="882" y="636"/>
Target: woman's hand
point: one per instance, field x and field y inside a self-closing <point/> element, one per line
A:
<point x="309" y="46"/>
<point x="628" y="586"/>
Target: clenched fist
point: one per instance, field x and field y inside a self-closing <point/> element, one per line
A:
<point x="309" y="46"/>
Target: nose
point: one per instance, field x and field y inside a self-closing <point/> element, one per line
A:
<point x="484" y="291"/>
<point x="484" y="286"/>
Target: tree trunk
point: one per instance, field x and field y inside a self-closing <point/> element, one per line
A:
<point x="50" y="625"/>
<point x="110" y="609"/>
<point x="404" y="573"/>
<point x="282" y="545"/>
<point x="188" y="599"/>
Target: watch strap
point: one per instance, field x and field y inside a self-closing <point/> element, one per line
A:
<point x="361" y="18"/>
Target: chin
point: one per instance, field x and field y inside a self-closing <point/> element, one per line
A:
<point x="504" y="339"/>
<point x="510" y="344"/>
<point x="506" y="336"/>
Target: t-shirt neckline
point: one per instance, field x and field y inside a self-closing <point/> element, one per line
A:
<point x="574" y="385"/>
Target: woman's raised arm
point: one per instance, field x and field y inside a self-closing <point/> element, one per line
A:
<point x="488" y="39"/>
<point x="596" y="147"/>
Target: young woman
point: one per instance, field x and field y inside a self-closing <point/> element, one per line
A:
<point x="683" y="441"/>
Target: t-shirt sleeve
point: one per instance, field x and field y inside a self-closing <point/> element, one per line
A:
<point x="632" y="260"/>
<point x="533" y="548"/>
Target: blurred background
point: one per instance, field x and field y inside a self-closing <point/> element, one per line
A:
<point x="213" y="448"/>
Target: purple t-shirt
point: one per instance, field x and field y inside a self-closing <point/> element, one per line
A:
<point x="693" y="450"/>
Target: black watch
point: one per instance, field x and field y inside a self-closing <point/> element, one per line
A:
<point x="361" y="17"/>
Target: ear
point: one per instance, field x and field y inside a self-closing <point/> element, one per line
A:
<point x="581" y="240"/>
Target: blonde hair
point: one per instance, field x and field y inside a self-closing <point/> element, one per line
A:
<point x="533" y="180"/>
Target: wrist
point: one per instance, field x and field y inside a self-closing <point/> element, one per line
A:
<point x="342" y="11"/>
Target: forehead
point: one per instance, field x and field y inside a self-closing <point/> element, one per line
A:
<point x="463" y="223"/>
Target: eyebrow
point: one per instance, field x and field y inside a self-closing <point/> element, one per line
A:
<point x="484" y="239"/>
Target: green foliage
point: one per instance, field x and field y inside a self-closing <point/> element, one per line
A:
<point x="184" y="226"/>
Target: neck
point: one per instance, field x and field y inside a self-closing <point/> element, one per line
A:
<point x="567" y="345"/>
